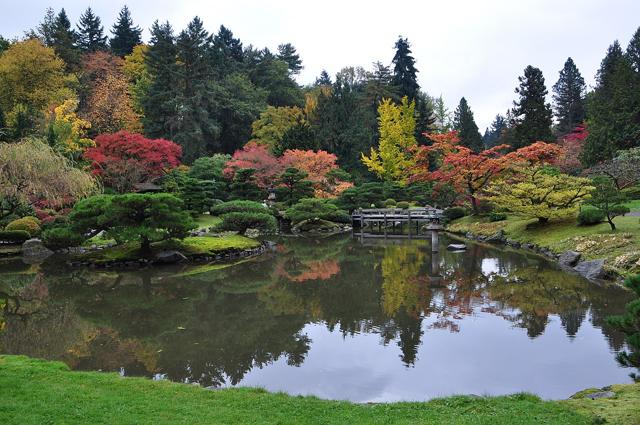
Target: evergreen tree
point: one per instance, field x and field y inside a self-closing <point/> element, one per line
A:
<point x="613" y="108"/>
<point x="425" y="117"/>
<point x="493" y="134"/>
<point x="324" y="79"/>
<point x="227" y="51"/>
<point x="465" y="125"/>
<point x="569" y="97"/>
<point x="159" y="102"/>
<point x="531" y="112"/>
<point x="272" y="75"/>
<point x="125" y="35"/>
<point x="244" y="186"/>
<point x="194" y="125"/>
<point x="287" y="53"/>
<point x="404" y="70"/>
<point x="633" y="51"/>
<point x="63" y="41"/>
<point x="4" y="44"/>
<point x="293" y="186"/>
<point x="379" y="85"/>
<point x="91" y="32"/>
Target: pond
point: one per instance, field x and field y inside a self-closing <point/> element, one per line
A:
<point x="368" y="321"/>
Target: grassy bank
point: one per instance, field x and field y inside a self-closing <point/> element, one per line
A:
<point x="191" y="246"/>
<point x="620" y="249"/>
<point x="37" y="392"/>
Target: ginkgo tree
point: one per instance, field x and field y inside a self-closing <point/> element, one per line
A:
<point x="394" y="158"/>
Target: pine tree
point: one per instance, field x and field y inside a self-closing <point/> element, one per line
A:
<point x="569" y="97"/>
<point x="91" y="32"/>
<point x="404" y="71"/>
<point x="425" y="117"/>
<point x="125" y="35"/>
<point x="195" y="126"/>
<point x="633" y="51"/>
<point x="288" y="54"/>
<point x="228" y="51"/>
<point x="613" y="108"/>
<point x="531" y="112"/>
<point x="46" y="28"/>
<point x="465" y="125"/>
<point x="493" y="134"/>
<point x="63" y="41"/>
<point x="159" y="102"/>
<point x="442" y="115"/>
<point x="324" y="79"/>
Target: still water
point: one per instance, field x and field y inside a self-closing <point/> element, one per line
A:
<point x="337" y="318"/>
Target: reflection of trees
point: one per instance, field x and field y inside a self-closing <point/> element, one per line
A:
<point x="213" y="325"/>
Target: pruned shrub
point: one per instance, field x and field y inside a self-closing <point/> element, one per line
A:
<point x="241" y="221"/>
<point x="316" y="208"/>
<point x="454" y="213"/>
<point x="14" y="236"/>
<point x="31" y="225"/>
<point x="403" y="204"/>
<point x="590" y="215"/>
<point x="497" y="216"/>
<point x="239" y="206"/>
<point x="390" y="203"/>
<point x="61" y="237"/>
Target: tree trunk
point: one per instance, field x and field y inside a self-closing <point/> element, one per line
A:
<point x="474" y="204"/>
<point x="543" y="220"/>
<point x="145" y="245"/>
<point x="613" y="226"/>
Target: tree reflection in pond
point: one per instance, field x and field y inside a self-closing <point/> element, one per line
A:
<point x="214" y="325"/>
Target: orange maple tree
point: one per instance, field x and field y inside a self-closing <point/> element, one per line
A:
<point x="318" y="166"/>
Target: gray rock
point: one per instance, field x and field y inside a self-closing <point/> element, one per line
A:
<point x="470" y="235"/>
<point x="252" y="233"/>
<point x="497" y="237"/>
<point x="569" y="258"/>
<point x="456" y="247"/>
<point x="169" y="257"/>
<point x="592" y="270"/>
<point x="33" y="250"/>
<point x="600" y="394"/>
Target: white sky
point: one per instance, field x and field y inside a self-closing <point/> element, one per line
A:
<point x="470" y="48"/>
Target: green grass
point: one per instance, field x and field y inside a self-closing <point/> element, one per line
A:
<point x="191" y="246"/>
<point x="621" y="249"/>
<point x="205" y="221"/>
<point x="40" y="392"/>
<point x="624" y="408"/>
<point x="633" y="204"/>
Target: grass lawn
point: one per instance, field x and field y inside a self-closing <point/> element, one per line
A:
<point x="197" y="245"/>
<point x="40" y="392"/>
<point x="621" y="248"/>
<point x="633" y="205"/>
<point x="205" y="221"/>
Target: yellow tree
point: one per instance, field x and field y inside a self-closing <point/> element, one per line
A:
<point x="394" y="158"/>
<point x="136" y="70"/>
<point x="111" y="107"/>
<point x="540" y="192"/>
<point x="67" y="131"/>
<point x="273" y="123"/>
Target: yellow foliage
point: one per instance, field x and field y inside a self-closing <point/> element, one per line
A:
<point x="541" y="193"/>
<point x="394" y="159"/>
<point x="274" y="122"/>
<point x="69" y="130"/>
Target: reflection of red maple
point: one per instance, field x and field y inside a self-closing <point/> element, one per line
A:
<point x="315" y="270"/>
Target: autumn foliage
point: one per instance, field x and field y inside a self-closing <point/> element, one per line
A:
<point x="149" y="158"/>
<point x="257" y="157"/>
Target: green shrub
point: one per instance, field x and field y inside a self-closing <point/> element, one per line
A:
<point x="403" y="204"/>
<point x="590" y="215"/>
<point x="316" y="208"/>
<point x="241" y="221"/>
<point x="497" y="216"/>
<point x="61" y="237"/>
<point x="632" y="192"/>
<point x="31" y="225"/>
<point x="390" y="203"/>
<point x="239" y="206"/>
<point x="454" y="213"/>
<point x="14" y="236"/>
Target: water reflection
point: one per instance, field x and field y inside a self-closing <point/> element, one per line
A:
<point x="273" y="321"/>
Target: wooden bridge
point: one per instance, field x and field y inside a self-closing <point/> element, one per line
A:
<point x="413" y="223"/>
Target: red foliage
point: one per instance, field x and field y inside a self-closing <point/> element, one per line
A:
<point x="259" y="158"/>
<point x="572" y="144"/>
<point x="317" y="165"/>
<point x="153" y="157"/>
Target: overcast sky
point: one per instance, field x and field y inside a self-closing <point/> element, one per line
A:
<point x="470" y="48"/>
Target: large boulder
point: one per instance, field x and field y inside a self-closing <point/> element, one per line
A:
<point x="569" y="258"/>
<point x="497" y="237"/>
<point x="592" y="270"/>
<point x="33" y="250"/>
<point x="252" y="233"/>
<point x="169" y="257"/>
